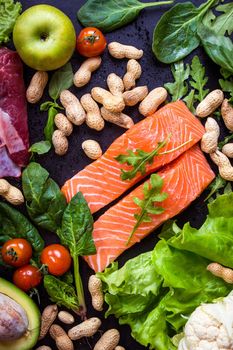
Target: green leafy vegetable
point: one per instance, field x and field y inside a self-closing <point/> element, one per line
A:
<point x="112" y="14"/>
<point x="41" y="147"/>
<point x="175" y="35"/>
<point x="61" y="80"/>
<point x="61" y="293"/>
<point x="172" y="280"/>
<point x="225" y="141"/>
<point x="222" y="24"/>
<point x="138" y="159"/>
<point x="227" y="86"/>
<point x="218" y="47"/>
<point x="152" y="194"/>
<point x="13" y="224"/>
<point x="189" y="100"/>
<point x="76" y="234"/>
<point x="179" y="88"/>
<point x="215" y="186"/>
<point x="45" y="201"/>
<point x="199" y="80"/>
<point x="9" y="12"/>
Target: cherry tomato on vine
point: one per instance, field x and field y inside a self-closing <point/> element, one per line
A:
<point x="91" y="42"/>
<point x="27" y="277"/>
<point x="16" y="252"/>
<point x="57" y="258"/>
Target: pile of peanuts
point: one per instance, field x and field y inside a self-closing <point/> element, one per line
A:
<point x="64" y="341"/>
<point x="122" y="92"/>
<point x="209" y="142"/>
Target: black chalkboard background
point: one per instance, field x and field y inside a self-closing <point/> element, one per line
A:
<point x="155" y="74"/>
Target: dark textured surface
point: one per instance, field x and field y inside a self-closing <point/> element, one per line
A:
<point x="154" y="74"/>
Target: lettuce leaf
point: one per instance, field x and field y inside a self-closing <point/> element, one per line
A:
<point x="155" y="292"/>
<point x="9" y="12"/>
<point x="214" y="240"/>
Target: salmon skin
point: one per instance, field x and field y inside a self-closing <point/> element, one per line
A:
<point x="100" y="181"/>
<point x="184" y="180"/>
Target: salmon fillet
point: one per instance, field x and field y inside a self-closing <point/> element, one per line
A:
<point x="100" y="181"/>
<point x="184" y="180"/>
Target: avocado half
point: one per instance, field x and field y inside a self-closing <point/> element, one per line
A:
<point x="28" y="340"/>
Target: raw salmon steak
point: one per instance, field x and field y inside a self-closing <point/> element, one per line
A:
<point x="184" y="180"/>
<point x="100" y="182"/>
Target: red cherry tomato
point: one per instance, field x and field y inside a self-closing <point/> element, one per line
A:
<point x="91" y="42"/>
<point x="16" y="252"/>
<point x="27" y="277"/>
<point x="57" y="258"/>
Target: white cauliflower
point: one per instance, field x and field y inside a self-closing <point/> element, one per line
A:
<point x="210" y="327"/>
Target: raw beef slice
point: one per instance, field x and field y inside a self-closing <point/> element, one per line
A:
<point x="14" y="138"/>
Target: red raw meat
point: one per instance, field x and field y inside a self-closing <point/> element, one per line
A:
<point x="14" y="138"/>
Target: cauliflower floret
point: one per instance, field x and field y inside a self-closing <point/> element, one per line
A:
<point x="210" y="327"/>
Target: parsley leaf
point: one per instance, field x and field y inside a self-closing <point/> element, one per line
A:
<point x="179" y="88"/>
<point x="152" y="194"/>
<point x="199" y="80"/>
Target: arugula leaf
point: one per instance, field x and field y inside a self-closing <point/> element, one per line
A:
<point x="45" y="202"/>
<point x="76" y="234"/>
<point x="222" y="24"/>
<point x="218" y="47"/>
<point x="199" y="80"/>
<point x="41" y="147"/>
<point x="189" y="100"/>
<point x="227" y="86"/>
<point x="13" y="224"/>
<point x="215" y="186"/>
<point x="225" y="73"/>
<point x="61" y="293"/>
<point x="112" y="14"/>
<point x="225" y="141"/>
<point x="179" y="88"/>
<point x="61" y="80"/>
<point x="175" y="34"/>
<point x="9" y="12"/>
<point x="152" y="194"/>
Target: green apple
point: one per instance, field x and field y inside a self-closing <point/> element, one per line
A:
<point x="44" y="37"/>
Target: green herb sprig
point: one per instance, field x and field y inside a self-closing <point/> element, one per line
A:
<point x="139" y="159"/>
<point x="152" y="194"/>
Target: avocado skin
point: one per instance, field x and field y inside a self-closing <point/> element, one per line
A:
<point x="29" y="340"/>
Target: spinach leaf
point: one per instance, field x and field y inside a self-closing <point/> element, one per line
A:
<point x="41" y="147"/>
<point x="61" y="80"/>
<point x="45" y="201"/>
<point x="179" y="88"/>
<point x="9" y="12"/>
<point x="77" y="226"/>
<point x="222" y="24"/>
<point x="76" y="234"/>
<point x="199" y="80"/>
<point x="61" y="293"/>
<point x="112" y="14"/>
<point x="218" y="47"/>
<point x="13" y="224"/>
<point x="175" y="35"/>
<point x="49" y="127"/>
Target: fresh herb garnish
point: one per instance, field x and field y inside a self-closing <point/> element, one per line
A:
<point x="175" y="35"/>
<point x="112" y="14"/>
<point x="139" y="159"/>
<point x="9" y="12"/>
<point x="179" y="88"/>
<point x="61" y="80"/>
<point x="199" y="80"/>
<point x="76" y="233"/>
<point x="152" y="194"/>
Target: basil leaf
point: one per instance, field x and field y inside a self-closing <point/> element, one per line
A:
<point x="49" y="127"/>
<point x="61" y="293"/>
<point x="175" y="35"/>
<point x="41" y="147"/>
<point x="45" y="202"/>
<point x="112" y="14"/>
<point x="13" y="224"/>
<point x="179" y="87"/>
<point x="77" y="226"/>
<point x="9" y="12"/>
<point x="61" y="80"/>
<point x="218" y="47"/>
